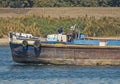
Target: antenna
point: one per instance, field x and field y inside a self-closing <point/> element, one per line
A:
<point x="73" y="27"/>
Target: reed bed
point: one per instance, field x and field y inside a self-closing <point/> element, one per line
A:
<point x="41" y="26"/>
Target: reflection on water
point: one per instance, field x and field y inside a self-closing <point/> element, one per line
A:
<point x="14" y="73"/>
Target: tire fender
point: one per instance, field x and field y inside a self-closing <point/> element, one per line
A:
<point x="37" y="44"/>
<point x="24" y="43"/>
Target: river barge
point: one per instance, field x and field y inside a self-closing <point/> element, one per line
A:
<point x="60" y="49"/>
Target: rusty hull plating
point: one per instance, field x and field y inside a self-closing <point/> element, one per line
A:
<point x="65" y="54"/>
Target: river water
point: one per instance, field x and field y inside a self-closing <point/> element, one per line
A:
<point x="14" y="73"/>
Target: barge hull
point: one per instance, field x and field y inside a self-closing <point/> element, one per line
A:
<point x="66" y="55"/>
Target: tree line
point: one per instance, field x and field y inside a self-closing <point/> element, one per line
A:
<point x="59" y="3"/>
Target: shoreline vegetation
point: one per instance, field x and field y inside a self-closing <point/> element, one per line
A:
<point x="59" y="3"/>
<point x="42" y="26"/>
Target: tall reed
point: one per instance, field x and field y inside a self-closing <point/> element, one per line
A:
<point x="42" y="26"/>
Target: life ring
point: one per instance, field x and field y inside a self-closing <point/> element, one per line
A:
<point x="37" y="44"/>
<point x="24" y="43"/>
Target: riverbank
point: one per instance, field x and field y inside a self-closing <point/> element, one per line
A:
<point x="57" y="12"/>
<point x="4" y="41"/>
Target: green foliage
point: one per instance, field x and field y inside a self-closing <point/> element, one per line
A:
<point x="42" y="26"/>
<point x="59" y="3"/>
<point x="16" y="3"/>
<point x="103" y="3"/>
<point x="114" y="3"/>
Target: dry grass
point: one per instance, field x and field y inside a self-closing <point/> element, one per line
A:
<point x="72" y="12"/>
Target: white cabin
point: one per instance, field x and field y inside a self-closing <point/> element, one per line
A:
<point x="57" y="37"/>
